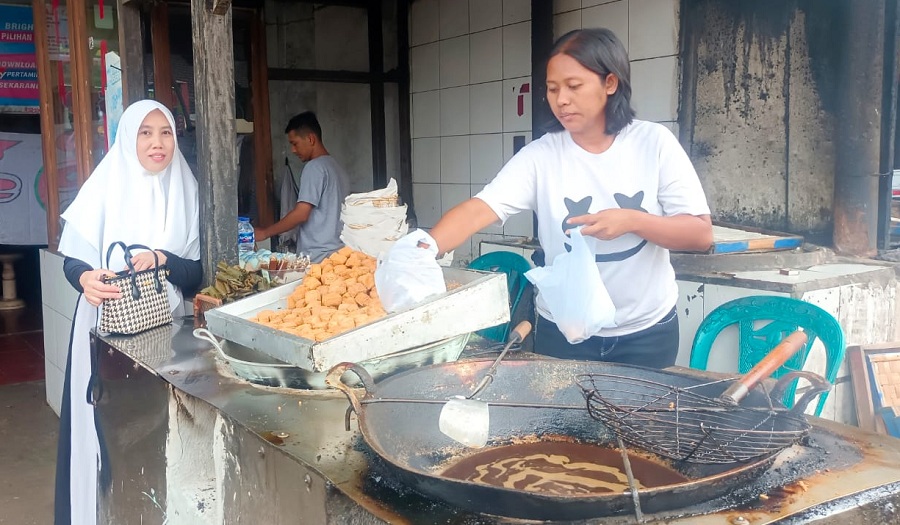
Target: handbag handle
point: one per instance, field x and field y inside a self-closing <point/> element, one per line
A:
<point x="135" y="291"/>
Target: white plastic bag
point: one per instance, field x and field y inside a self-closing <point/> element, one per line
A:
<point x="574" y="292"/>
<point x="408" y="273"/>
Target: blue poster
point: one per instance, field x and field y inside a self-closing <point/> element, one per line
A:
<point x="18" y="70"/>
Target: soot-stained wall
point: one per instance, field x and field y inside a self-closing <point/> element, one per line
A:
<point x="759" y="96"/>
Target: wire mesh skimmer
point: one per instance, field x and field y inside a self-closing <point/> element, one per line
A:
<point x="702" y="422"/>
<point x="683" y="424"/>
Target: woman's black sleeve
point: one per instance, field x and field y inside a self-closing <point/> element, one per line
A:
<point x="184" y="273"/>
<point x="73" y="268"/>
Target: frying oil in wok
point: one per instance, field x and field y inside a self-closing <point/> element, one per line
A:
<point x="560" y="469"/>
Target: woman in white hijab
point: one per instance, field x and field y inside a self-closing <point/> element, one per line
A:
<point x="143" y="192"/>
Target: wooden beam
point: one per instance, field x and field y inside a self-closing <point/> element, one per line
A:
<point x="541" y="44"/>
<point x="48" y="126"/>
<point x="216" y="155"/>
<point x="376" y="95"/>
<point x="262" y="130"/>
<point x="405" y="184"/>
<point x="320" y="75"/>
<point x="162" y="59"/>
<point x="131" y="51"/>
<point x="80" y="67"/>
<point x="363" y="4"/>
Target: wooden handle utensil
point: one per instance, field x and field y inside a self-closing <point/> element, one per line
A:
<point x="779" y="355"/>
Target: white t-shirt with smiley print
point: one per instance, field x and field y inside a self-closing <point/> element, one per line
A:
<point x="645" y="168"/>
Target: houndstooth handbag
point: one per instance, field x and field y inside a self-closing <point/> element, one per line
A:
<point x="144" y="303"/>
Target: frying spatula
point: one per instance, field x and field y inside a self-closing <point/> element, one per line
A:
<point x="467" y="420"/>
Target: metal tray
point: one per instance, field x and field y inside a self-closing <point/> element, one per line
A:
<point x="481" y="301"/>
<point x="261" y="369"/>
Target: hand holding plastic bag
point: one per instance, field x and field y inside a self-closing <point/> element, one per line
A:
<point x="574" y="292"/>
<point x="408" y="273"/>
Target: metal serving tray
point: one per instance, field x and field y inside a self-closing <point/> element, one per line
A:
<point x="481" y="301"/>
<point x="261" y="369"/>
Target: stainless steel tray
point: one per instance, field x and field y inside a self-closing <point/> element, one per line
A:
<point x="261" y="369"/>
<point x="481" y="301"/>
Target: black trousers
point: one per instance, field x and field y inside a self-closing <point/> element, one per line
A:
<point x="654" y="347"/>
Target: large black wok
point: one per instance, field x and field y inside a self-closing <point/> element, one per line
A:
<point x="406" y="434"/>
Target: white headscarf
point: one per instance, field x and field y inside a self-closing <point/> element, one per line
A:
<point x="122" y="201"/>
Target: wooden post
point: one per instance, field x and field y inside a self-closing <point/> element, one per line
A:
<point x="405" y="184"/>
<point x="262" y="131"/>
<point x="131" y="51"/>
<point x="81" y="89"/>
<point x="376" y="95"/>
<point x="162" y="56"/>
<point x="48" y="126"/>
<point x="216" y="155"/>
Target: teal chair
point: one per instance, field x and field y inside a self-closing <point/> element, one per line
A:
<point x="786" y="315"/>
<point x="514" y="266"/>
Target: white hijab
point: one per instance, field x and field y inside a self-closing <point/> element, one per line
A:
<point x="122" y="201"/>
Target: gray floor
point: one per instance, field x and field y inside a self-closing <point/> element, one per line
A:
<point x="28" y="432"/>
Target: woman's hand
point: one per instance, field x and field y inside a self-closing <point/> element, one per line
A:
<point x="95" y="290"/>
<point x="145" y="260"/>
<point x="675" y="232"/>
<point x="606" y="224"/>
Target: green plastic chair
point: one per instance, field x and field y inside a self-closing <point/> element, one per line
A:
<point x="514" y="266"/>
<point x="786" y="315"/>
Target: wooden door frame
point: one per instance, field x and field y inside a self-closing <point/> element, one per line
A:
<point x="79" y="65"/>
<point x="48" y="137"/>
<point x="259" y="81"/>
<point x="162" y="65"/>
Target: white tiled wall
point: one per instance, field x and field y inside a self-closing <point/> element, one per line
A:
<point x="425" y="67"/>
<point x="471" y="82"/>
<point x="649" y="31"/>
<point x="486" y="107"/>
<point x="454" y="62"/>
<point x="654" y="88"/>
<point x="613" y="16"/>
<point x="485" y="157"/>
<point x="485" y="63"/>
<point x="454" y="118"/>
<point x="485" y="14"/>
<point x="455" y="163"/>
<point x="58" y="299"/>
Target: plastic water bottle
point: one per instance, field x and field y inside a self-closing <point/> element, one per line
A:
<point x="245" y="235"/>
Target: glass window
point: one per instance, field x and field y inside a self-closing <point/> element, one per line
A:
<point x="61" y="103"/>
<point x="105" y="73"/>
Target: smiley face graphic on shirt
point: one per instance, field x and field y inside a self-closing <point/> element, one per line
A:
<point x="582" y="207"/>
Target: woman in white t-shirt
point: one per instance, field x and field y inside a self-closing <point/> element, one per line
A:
<point x="627" y="183"/>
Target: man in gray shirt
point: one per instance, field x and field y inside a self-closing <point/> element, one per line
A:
<point x="323" y="187"/>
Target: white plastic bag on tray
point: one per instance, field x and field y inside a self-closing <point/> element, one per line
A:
<point x="408" y="273"/>
<point x="574" y="292"/>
